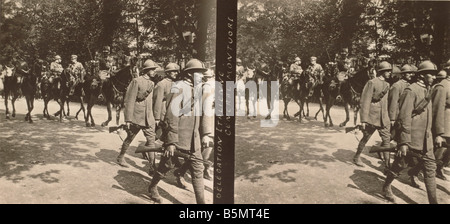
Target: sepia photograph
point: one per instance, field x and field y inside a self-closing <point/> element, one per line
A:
<point x="96" y="101"/>
<point x="342" y="102"/>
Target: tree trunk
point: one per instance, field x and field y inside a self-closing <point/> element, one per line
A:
<point x="440" y="17"/>
<point x="205" y="9"/>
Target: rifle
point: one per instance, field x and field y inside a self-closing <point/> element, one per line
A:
<point x="377" y="148"/>
<point x="177" y="153"/>
<point x="350" y="129"/>
<point x="115" y="128"/>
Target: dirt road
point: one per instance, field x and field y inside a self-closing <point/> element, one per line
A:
<point x="308" y="163"/>
<point x="49" y="162"/>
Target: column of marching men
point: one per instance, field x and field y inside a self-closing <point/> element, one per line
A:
<point x="415" y="113"/>
<point x="168" y="106"/>
<point x="412" y="116"/>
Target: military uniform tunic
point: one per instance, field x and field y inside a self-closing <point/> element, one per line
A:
<point x="139" y="102"/>
<point x="394" y="96"/>
<point x="375" y="111"/>
<point x="441" y="108"/>
<point x="162" y="90"/>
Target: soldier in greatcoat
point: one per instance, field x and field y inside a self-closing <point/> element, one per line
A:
<point x="139" y="111"/>
<point x="374" y="110"/>
<point x="183" y="117"/>
<point x="415" y="142"/>
<point x="441" y="122"/>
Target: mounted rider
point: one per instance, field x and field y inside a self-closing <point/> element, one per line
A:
<point x="77" y="73"/>
<point x="315" y="70"/>
<point x="296" y="68"/>
<point x="55" y="68"/>
<point x="345" y="64"/>
<point x="106" y="63"/>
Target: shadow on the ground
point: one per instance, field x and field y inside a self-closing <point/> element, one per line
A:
<point x="372" y="183"/>
<point x="24" y="145"/>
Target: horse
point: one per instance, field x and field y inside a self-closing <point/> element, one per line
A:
<point x="11" y="89"/>
<point x="347" y="90"/>
<point x="24" y="80"/>
<point x="287" y="90"/>
<point x="114" y="89"/>
<point x="304" y="86"/>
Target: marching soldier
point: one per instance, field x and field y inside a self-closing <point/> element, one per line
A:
<point x="77" y="71"/>
<point x="208" y="118"/>
<point x="415" y="142"/>
<point x="183" y="133"/>
<point x="315" y="70"/>
<point x="296" y="68"/>
<point x="374" y="110"/>
<point x="397" y="89"/>
<point x="395" y="92"/>
<point x="441" y="122"/>
<point x="162" y="90"/>
<point x="139" y="110"/>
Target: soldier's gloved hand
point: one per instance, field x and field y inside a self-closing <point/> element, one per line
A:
<point x="402" y="150"/>
<point x="439" y="140"/>
<point x="169" y="151"/>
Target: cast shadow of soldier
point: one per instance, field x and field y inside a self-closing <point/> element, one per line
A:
<point x="260" y="151"/>
<point x="42" y="143"/>
<point x="136" y="183"/>
<point x="361" y="178"/>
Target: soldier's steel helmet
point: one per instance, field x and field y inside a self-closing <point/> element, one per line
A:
<point x="297" y="59"/>
<point x="441" y="75"/>
<point x="149" y="64"/>
<point x="238" y="61"/>
<point x="407" y="69"/>
<point x="172" y="67"/>
<point x="384" y="66"/>
<point x="313" y="58"/>
<point x="57" y="57"/>
<point x="427" y="66"/>
<point x="396" y="70"/>
<point x="73" y="56"/>
<point x="194" y="65"/>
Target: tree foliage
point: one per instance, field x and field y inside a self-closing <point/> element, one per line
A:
<point x="32" y="29"/>
<point x="272" y="30"/>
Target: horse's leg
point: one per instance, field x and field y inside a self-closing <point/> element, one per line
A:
<point x="286" y="108"/>
<point x="347" y="115"/>
<point x="31" y="99"/>
<point x="13" y="102"/>
<point x="68" y="107"/>
<point x="6" y="104"/>
<point x="108" y="108"/>
<point x="355" y="114"/>
<point x="320" y="109"/>
<point x="27" y="115"/>
<point x="118" y="109"/>
<point x="81" y="108"/>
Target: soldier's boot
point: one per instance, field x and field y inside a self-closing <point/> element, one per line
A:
<point x="357" y="159"/>
<point x="153" y="188"/>
<point x="413" y="175"/>
<point x="387" y="190"/>
<point x="430" y="185"/>
<point x="120" y="157"/>
<point x="361" y="145"/>
<point x="440" y="173"/>
<point x="179" y="174"/>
